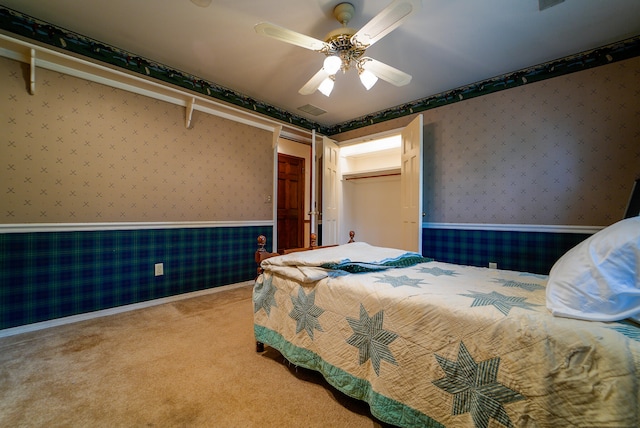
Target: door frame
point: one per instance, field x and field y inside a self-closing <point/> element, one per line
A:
<point x="315" y="180"/>
<point x="417" y="186"/>
<point x="298" y="149"/>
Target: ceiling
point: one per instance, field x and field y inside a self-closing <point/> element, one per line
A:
<point x="447" y="44"/>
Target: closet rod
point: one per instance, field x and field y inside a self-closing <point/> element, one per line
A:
<point x="359" y="177"/>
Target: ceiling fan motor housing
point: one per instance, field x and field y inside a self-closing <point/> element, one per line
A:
<point x="340" y="44"/>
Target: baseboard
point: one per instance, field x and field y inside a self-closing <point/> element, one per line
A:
<point x="117" y="310"/>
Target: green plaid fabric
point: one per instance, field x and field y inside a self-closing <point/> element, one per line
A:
<point x="533" y="252"/>
<point x="48" y="275"/>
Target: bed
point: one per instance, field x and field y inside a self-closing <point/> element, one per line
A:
<point x="432" y="344"/>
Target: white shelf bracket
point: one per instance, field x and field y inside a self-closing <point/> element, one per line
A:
<point x="32" y="74"/>
<point x="190" y="105"/>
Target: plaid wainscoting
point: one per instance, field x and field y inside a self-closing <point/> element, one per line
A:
<point x="49" y="275"/>
<point x="533" y="252"/>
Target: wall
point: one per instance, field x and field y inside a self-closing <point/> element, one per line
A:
<point x="560" y="155"/>
<point x="371" y="208"/>
<point x="561" y="151"/>
<point x="511" y="249"/>
<point x="371" y="196"/>
<point x="79" y="151"/>
<point x="48" y="275"/>
<point x="100" y="184"/>
<point x="564" y="151"/>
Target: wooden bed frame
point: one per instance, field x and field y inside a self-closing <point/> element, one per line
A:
<point x="262" y="254"/>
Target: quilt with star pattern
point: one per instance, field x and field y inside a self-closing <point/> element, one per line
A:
<point x="431" y="344"/>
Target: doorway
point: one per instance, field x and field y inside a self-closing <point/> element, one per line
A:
<point x="291" y="197"/>
<point x="379" y="186"/>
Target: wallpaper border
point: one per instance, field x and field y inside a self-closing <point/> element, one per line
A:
<point x="80" y="227"/>
<point x="41" y="31"/>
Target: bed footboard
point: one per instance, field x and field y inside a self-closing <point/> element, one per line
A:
<point x="262" y="254"/>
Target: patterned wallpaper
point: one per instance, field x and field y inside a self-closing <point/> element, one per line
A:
<point x="78" y="151"/>
<point x="563" y="151"/>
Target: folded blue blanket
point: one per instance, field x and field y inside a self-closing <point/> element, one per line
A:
<point x="349" y="266"/>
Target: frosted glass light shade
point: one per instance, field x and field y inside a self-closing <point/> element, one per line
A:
<point x="326" y="86"/>
<point x="332" y="64"/>
<point x="368" y="79"/>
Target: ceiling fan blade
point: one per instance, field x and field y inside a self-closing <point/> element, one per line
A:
<point x="386" y="21"/>
<point x="312" y="85"/>
<point x="289" y="36"/>
<point x="386" y="72"/>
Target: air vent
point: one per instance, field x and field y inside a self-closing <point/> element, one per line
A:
<point x="546" y="4"/>
<point x="312" y="110"/>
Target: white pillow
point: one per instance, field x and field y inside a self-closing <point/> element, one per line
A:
<point x="599" y="279"/>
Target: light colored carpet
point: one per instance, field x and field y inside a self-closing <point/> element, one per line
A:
<point x="190" y="363"/>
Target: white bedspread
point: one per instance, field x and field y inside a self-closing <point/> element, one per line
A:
<point x="307" y="266"/>
<point x="437" y="344"/>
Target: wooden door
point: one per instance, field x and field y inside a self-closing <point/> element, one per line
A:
<point x="411" y="186"/>
<point x="290" y="202"/>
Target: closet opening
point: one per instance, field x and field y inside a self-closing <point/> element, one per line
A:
<point x="371" y="189"/>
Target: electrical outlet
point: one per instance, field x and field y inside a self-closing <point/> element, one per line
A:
<point x="493" y="265"/>
<point x="159" y="269"/>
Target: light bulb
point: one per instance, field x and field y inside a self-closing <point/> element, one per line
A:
<point x="368" y="79"/>
<point x="332" y="64"/>
<point x="326" y="86"/>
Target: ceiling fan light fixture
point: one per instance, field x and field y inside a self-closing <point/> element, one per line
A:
<point x="332" y="64"/>
<point x="327" y="86"/>
<point x="345" y="47"/>
<point x="367" y="78"/>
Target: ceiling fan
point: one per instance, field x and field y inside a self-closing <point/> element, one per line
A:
<point x="345" y="47"/>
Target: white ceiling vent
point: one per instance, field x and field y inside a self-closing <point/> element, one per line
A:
<point x="546" y="4"/>
<point x="312" y="110"/>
